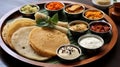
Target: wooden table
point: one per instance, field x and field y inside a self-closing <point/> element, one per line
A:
<point x="112" y="59"/>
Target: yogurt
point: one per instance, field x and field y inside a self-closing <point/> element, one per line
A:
<point x="90" y="41"/>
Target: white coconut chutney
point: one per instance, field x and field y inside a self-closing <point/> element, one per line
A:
<point x="91" y="42"/>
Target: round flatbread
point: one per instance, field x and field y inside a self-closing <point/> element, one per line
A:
<point x="4" y="32"/>
<point x="15" y="25"/>
<point x="20" y="42"/>
<point x="45" y="41"/>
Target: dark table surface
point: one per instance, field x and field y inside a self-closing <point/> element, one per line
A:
<point x="112" y="59"/>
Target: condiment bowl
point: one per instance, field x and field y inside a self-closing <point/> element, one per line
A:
<point x="93" y="14"/>
<point x="69" y="53"/>
<point x="54" y="7"/>
<point x="90" y="43"/>
<point x="29" y="10"/>
<point x="78" y="28"/>
<point x="101" y="28"/>
<point x="74" y="11"/>
<point x="102" y="6"/>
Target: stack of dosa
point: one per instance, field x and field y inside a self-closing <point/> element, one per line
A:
<point x="11" y="27"/>
<point x="28" y="40"/>
<point x="20" y="42"/>
<point x="45" y="41"/>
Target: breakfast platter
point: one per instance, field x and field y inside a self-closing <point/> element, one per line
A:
<point x="62" y="34"/>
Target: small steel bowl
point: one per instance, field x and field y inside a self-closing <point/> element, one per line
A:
<point x="92" y="16"/>
<point x="65" y="54"/>
<point x="77" y="34"/>
<point x="28" y="10"/>
<point x="52" y="12"/>
<point x="101" y="28"/>
<point x="88" y="44"/>
<point x="100" y="6"/>
<point x="74" y="16"/>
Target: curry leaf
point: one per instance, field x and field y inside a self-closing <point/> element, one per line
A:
<point x="54" y="18"/>
<point x="49" y="22"/>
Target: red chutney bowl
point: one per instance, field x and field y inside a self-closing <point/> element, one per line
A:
<point x="101" y="28"/>
<point x="54" y="7"/>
